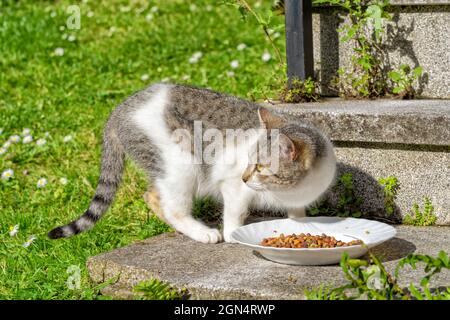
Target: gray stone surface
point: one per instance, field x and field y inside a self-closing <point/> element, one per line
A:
<point x="232" y="271"/>
<point x="415" y="122"/>
<point x="418" y="35"/>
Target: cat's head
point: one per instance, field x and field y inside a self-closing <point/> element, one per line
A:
<point x="300" y="146"/>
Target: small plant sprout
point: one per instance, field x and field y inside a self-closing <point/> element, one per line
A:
<point x="29" y="241"/>
<point x="418" y="218"/>
<point x="403" y="80"/>
<point x="300" y="91"/>
<point x="14" y="138"/>
<point x="13" y="230"/>
<point x="27" y="139"/>
<point x="390" y="190"/>
<point x="42" y="182"/>
<point x="41" y="142"/>
<point x="7" y="174"/>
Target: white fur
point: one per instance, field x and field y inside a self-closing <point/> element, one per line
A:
<point x="184" y="179"/>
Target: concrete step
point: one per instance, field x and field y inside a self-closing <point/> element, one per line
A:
<point x="232" y="271"/>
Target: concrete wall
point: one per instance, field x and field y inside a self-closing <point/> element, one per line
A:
<point x="418" y="35"/>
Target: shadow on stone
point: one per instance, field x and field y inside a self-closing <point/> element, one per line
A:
<point x="393" y="249"/>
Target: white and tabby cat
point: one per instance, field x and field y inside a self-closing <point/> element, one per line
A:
<point x="143" y="127"/>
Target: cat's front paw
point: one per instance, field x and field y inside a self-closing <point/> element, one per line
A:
<point x="227" y="236"/>
<point x="207" y="235"/>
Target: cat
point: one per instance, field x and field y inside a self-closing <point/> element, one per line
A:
<point x="146" y="126"/>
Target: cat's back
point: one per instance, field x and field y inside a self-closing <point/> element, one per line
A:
<point x="215" y="110"/>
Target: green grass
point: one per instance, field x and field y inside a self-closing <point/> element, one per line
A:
<point x="73" y="95"/>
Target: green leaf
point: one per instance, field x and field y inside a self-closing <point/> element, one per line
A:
<point x="394" y="76"/>
<point x="418" y="71"/>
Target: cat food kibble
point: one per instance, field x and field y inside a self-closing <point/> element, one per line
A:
<point x="306" y="241"/>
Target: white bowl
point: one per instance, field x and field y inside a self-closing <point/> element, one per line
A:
<point x="371" y="232"/>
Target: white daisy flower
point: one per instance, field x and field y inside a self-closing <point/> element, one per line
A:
<point x="67" y="138"/>
<point x="27" y="139"/>
<point x="154" y="9"/>
<point x="13" y="230"/>
<point x="29" y="241"/>
<point x="90" y="14"/>
<point x="266" y="56"/>
<point x="7" y="144"/>
<point x="53" y="14"/>
<point x="46" y="134"/>
<point x="26" y="131"/>
<point x="59" y="52"/>
<point x="41" y="142"/>
<point x="234" y="64"/>
<point x="230" y="74"/>
<point x="3" y="150"/>
<point x="7" y="174"/>
<point x="144" y="77"/>
<point x="209" y="8"/>
<point x="149" y="17"/>
<point x="195" y="57"/>
<point x="241" y="46"/>
<point x="62" y="28"/>
<point x="14" y="138"/>
<point x="42" y="182"/>
<point x="71" y="38"/>
<point x="193" y="7"/>
<point x="112" y="30"/>
<point x="63" y="181"/>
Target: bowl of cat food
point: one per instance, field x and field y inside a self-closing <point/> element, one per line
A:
<point x="313" y="240"/>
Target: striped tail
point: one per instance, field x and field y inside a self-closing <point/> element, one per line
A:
<point x="113" y="158"/>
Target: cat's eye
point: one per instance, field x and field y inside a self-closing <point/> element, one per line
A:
<point x="259" y="167"/>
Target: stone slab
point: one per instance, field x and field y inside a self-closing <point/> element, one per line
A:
<point x="232" y="271"/>
<point x="418" y="122"/>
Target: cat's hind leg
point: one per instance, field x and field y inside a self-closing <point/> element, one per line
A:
<point x="175" y="203"/>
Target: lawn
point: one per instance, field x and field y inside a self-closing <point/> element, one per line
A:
<point x="62" y="84"/>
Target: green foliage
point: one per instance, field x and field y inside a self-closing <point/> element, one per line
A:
<point x="403" y="80"/>
<point x="366" y="31"/>
<point x="390" y="189"/>
<point x="300" y="91"/>
<point x="369" y="279"/>
<point x="348" y="204"/>
<point x="155" y="289"/>
<point x="418" y="218"/>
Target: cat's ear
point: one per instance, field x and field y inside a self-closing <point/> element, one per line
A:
<point x="288" y="149"/>
<point x="268" y="120"/>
